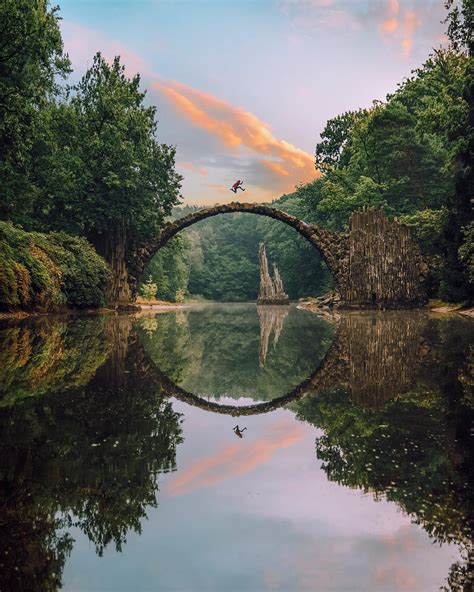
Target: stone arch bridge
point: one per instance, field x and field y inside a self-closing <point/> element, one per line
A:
<point x="377" y="263"/>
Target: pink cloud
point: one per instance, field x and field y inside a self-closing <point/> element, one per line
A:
<point x="237" y="459"/>
<point x="402" y="25"/>
<point x="390" y="23"/>
<point x="82" y="43"/>
<point x="411" y="22"/>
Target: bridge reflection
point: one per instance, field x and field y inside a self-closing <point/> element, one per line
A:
<point x="87" y="427"/>
<point x="376" y="356"/>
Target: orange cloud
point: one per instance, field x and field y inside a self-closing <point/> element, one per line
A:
<point x="405" y="26"/>
<point x="411" y="22"/>
<point x="198" y="116"/>
<point x="275" y="167"/>
<point x="241" y="131"/>
<point x="236" y="459"/>
<point x="190" y="166"/>
<point x="390" y="24"/>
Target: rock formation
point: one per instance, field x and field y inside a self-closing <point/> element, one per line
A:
<point x="271" y="290"/>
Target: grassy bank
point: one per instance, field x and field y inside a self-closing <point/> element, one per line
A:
<point x="46" y="272"/>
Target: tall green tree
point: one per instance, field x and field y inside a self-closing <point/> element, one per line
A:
<point x="411" y="155"/>
<point x="31" y="59"/>
<point x="458" y="234"/>
<point x="109" y="178"/>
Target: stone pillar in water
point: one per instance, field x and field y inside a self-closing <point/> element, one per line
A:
<point x="271" y="290"/>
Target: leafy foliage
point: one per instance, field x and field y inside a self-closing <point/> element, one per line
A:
<point x="149" y="289"/>
<point x="114" y="168"/>
<point x="44" y="356"/>
<point x="31" y="59"/>
<point x="49" y="270"/>
<point x="169" y="269"/>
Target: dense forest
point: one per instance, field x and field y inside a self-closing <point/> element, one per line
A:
<point x="85" y="160"/>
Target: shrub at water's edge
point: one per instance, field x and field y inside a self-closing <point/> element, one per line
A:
<point x="47" y="271"/>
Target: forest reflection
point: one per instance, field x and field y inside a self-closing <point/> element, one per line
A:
<point x="84" y="450"/>
<point x="87" y="424"/>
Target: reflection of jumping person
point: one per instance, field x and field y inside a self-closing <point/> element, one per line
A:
<point x="238" y="431"/>
<point x="237" y="185"/>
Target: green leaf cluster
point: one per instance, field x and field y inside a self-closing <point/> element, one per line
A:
<point x="149" y="289"/>
<point x="31" y="62"/>
<point x="44" y="271"/>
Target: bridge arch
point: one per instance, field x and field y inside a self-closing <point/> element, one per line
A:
<point x="331" y="245"/>
<point x="378" y="263"/>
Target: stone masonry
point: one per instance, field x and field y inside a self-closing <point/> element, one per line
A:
<point x="377" y="264"/>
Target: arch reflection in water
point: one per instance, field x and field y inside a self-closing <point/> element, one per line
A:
<point x="375" y="356"/>
<point x="217" y="351"/>
<point x="85" y="448"/>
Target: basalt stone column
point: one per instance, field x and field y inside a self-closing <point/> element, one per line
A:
<point x="385" y="266"/>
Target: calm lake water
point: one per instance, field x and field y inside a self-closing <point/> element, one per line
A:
<point x="120" y="469"/>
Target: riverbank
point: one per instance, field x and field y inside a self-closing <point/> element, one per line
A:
<point x="329" y="303"/>
<point x="136" y="306"/>
<point x="312" y="304"/>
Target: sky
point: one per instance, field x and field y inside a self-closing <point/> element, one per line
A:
<point x="259" y="514"/>
<point x="244" y="88"/>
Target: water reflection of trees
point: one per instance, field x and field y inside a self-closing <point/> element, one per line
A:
<point x="414" y="449"/>
<point x="86" y="457"/>
<point x="375" y="356"/>
<point x="216" y="351"/>
<point x="393" y="396"/>
<point x="44" y="355"/>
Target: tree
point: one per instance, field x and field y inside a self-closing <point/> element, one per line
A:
<point x="412" y="156"/>
<point x="460" y="21"/>
<point x="149" y="289"/>
<point x="109" y="177"/>
<point x="456" y="283"/>
<point x="31" y="58"/>
<point x="169" y="268"/>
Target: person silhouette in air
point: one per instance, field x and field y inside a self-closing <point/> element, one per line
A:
<point x="238" y="431"/>
<point x="237" y="185"/>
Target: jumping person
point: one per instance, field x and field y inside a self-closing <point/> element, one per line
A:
<point x="237" y="185"/>
<point x="238" y="431"/>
